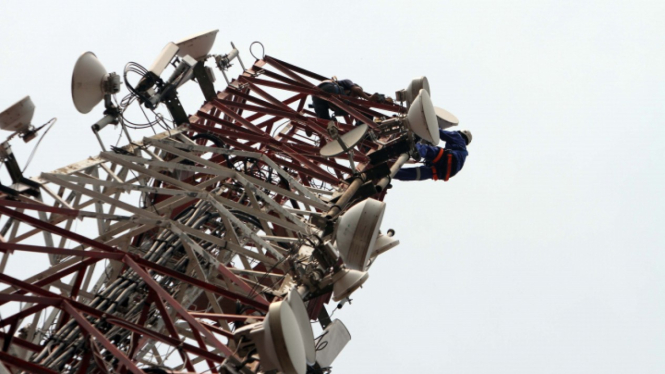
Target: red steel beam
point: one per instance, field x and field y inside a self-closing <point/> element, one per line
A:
<point x="48" y="298"/>
<point x="58" y="275"/>
<point x="24" y="365"/>
<point x="318" y="174"/>
<point x="313" y="122"/>
<point x="40" y="207"/>
<point x="170" y="327"/>
<point x="22" y="343"/>
<point x="271" y="60"/>
<point x="228" y="317"/>
<point x="72" y="295"/>
<point x="135" y="335"/>
<point x="114" y="254"/>
<point x="83" y="322"/>
<point x="184" y="313"/>
<point x="15" y="318"/>
<point x="85" y="361"/>
<point x="284" y="79"/>
<point x="316" y="92"/>
<point x="297" y="78"/>
<point x="202" y="345"/>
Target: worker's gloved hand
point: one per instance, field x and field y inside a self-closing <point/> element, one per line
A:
<point x="381" y="98"/>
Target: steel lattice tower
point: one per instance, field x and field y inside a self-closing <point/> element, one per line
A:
<point x="199" y="229"/>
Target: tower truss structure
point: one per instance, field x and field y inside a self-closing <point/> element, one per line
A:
<point x="159" y="252"/>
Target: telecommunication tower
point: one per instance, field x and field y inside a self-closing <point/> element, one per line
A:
<point x="213" y="245"/>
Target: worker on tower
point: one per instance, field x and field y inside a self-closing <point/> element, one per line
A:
<point x="440" y="163"/>
<point x="344" y="87"/>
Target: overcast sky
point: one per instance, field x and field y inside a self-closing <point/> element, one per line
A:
<point x="544" y="255"/>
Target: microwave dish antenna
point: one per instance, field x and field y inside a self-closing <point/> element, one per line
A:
<point x="445" y="119"/>
<point x="18" y="117"/>
<point x="413" y="89"/>
<point x="357" y="231"/>
<point x="164" y="58"/>
<point x="410" y="93"/>
<point x="193" y="51"/>
<point x="198" y="45"/>
<point x="344" y="143"/>
<point x="422" y="119"/>
<point x="349" y="281"/>
<point x="300" y="311"/>
<point x="91" y="83"/>
<point x="279" y="340"/>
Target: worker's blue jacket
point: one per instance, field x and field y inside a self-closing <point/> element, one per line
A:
<point x="455" y="146"/>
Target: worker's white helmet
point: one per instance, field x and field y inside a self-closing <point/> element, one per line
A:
<point x="467" y="133"/>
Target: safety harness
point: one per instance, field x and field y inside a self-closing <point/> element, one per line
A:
<point x="435" y="176"/>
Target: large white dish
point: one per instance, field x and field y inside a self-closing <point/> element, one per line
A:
<point x="348" y="283"/>
<point x="198" y="45"/>
<point x="350" y="139"/>
<point x="164" y="58"/>
<point x="300" y="311"/>
<point x="87" y="82"/>
<point x="286" y="338"/>
<point x="413" y="89"/>
<point x="18" y="116"/>
<point x="357" y="231"/>
<point x="422" y="120"/>
<point x="445" y="119"/>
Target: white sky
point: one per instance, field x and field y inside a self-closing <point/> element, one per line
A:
<point x="544" y="255"/>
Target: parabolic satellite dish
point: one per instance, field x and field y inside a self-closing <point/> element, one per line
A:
<point x="422" y="118"/>
<point x="287" y="340"/>
<point x="88" y="82"/>
<point x="350" y="281"/>
<point x="163" y="59"/>
<point x="300" y="311"/>
<point x="357" y="231"/>
<point x="413" y="89"/>
<point x="198" y="45"/>
<point x="445" y="119"/>
<point x="350" y="140"/>
<point x="18" y="116"/>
